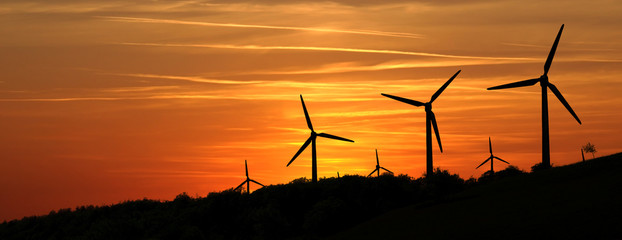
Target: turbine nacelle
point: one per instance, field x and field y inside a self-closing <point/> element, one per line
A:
<point x="544" y="80"/>
<point x="428" y="106"/>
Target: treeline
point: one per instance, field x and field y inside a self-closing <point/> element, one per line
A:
<point x="297" y="209"/>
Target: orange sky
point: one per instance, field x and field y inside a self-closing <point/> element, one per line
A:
<point x="105" y="102"/>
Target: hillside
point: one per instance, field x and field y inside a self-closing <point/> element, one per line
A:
<point x="297" y="209"/>
<point x="578" y="201"/>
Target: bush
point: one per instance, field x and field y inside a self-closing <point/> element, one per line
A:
<point x="539" y="167"/>
<point x="507" y="172"/>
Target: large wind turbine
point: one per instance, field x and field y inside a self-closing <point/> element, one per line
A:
<point x="491" y="158"/>
<point x="311" y="140"/>
<point x="430" y="119"/>
<point x="544" y="84"/>
<point x="248" y="181"/>
<point x="378" y="167"/>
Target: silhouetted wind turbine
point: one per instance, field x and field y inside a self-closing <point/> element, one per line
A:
<point x="582" y="156"/>
<point x="378" y="167"/>
<point x="311" y="140"/>
<point x="491" y="158"/>
<point x="544" y="84"/>
<point x="247" y="181"/>
<point x="430" y="119"/>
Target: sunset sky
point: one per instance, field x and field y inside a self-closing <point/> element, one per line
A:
<point x="107" y="101"/>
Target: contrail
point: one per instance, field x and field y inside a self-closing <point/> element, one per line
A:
<point x="331" y="49"/>
<point x="330" y="30"/>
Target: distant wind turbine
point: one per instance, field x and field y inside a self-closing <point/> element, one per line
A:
<point x="247" y="181"/>
<point x="311" y="140"/>
<point x="544" y="84"/>
<point x="430" y="119"/>
<point x="378" y="167"/>
<point x="491" y="158"/>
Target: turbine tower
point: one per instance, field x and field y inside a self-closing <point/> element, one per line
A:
<point x="491" y="158"/>
<point x="378" y="167"/>
<point x="544" y="84"/>
<point x="247" y="181"/>
<point x="430" y="120"/>
<point x="311" y="140"/>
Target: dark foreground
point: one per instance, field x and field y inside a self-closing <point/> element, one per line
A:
<point x="579" y="201"/>
<point x="299" y="209"/>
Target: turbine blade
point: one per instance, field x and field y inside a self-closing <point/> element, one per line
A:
<point x="306" y="113"/>
<point x="256" y="182"/>
<point x="549" y="59"/>
<point x="487" y="159"/>
<point x="387" y="170"/>
<point x="438" y="137"/>
<point x="489" y="145"/>
<point x="404" y="100"/>
<point x="246" y="166"/>
<point x="372" y="172"/>
<point x="300" y="150"/>
<point x="377" y="160"/>
<point x="440" y="90"/>
<point x="561" y="99"/>
<point x="241" y="184"/>
<point x="326" y="135"/>
<point x="516" y="84"/>
<point x="501" y="159"/>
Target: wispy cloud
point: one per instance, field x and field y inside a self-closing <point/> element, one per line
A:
<point x="352" y="67"/>
<point x="524" y="45"/>
<point x="365" y="113"/>
<point x="185" y="78"/>
<point x="237" y="25"/>
<point x="330" y="49"/>
<point x="139" y="89"/>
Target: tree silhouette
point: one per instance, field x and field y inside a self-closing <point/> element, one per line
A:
<point x="589" y="148"/>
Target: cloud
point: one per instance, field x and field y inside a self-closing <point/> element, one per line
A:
<point x="330" y="49"/>
<point x="391" y="65"/>
<point x="186" y="78"/>
<point x="351" y="2"/>
<point x="140" y="89"/>
<point x="237" y="25"/>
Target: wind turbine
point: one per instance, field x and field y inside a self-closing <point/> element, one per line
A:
<point x="247" y="181"/>
<point x="311" y="140"/>
<point x="378" y="167"/>
<point x="544" y="84"/>
<point x="430" y="119"/>
<point x="491" y="158"/>
<point x="582" y="156"/>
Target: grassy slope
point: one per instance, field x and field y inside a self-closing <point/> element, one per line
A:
<point x="579" y="201"/>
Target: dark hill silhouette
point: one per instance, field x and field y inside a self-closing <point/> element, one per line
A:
<point x="300" y="209"/>
<point x="578" y="201"/>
